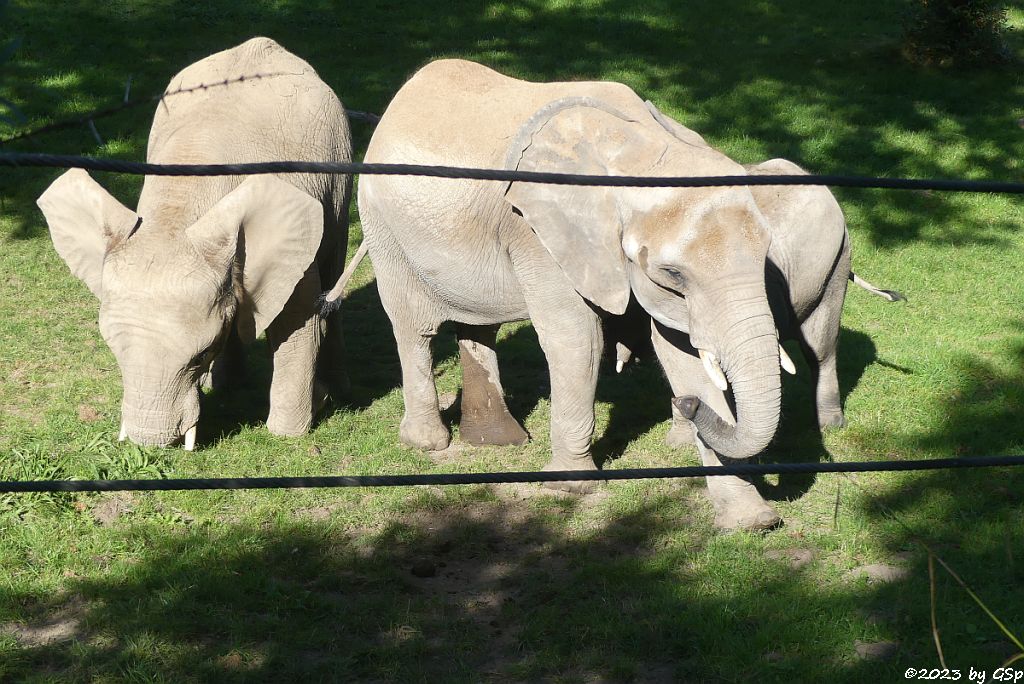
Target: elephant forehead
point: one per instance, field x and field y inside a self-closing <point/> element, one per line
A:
<point x="692" y="224"/>
<point x="164" y="269"/>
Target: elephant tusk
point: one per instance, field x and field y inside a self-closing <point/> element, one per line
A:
<point x="622" y="356"/>
<point x="713" y="370"/>
<point x="123" y="435"/>
<point x="190" y="439"/>
<point x="787" y="363"/>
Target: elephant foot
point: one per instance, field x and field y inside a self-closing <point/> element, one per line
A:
<point x="757" y="520"/>
<point x="571" y="486"/>
<point x="502" y="430"/>
<point x="739" y="506"/>
<point x="831" y="419"/>
<point x="680" y="435"/>
<point x="430" y="435"/>
<point x="289" y="426"/>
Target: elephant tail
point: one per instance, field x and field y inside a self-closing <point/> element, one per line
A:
<point x="329" y="302"/>
<point x="891" y="295"/>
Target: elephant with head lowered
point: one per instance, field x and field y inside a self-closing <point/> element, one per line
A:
<point x="205" y="262"/>
<point x="482" y="253"/>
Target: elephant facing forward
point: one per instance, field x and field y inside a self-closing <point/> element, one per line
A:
<point x="482" y="253"/>
<point x="205" y="261"/>
<point x="807" y="269"/>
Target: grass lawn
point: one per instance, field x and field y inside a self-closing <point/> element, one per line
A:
<point x="631" y="583"/>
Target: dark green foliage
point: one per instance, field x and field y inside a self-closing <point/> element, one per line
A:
<point x="960" y="32"/>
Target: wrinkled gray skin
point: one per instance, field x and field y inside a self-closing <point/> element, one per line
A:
<point x="205" y="262"/>
<point x="482" y="253"/>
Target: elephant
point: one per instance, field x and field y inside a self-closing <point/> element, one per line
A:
<point x="207" y="263"/>
<point x="808" y="267"/>
<point x="806" y="274"/>
<point x="481" y="253"/>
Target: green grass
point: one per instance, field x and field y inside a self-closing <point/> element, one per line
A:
<point x="632" y="583"/>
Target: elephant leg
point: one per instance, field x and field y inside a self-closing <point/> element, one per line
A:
<point x="675" y="361"/>
<point x="680" y="432"/>
<point x="570" y="335"/>
<point x="819" y="335"/>
<point x="414" y="317"/>
<point x="333" y="357"/>
<point x="738" y="504"/>
<point x="228" y="368"/>
<point x="294" y="339"/>
<point x="485" y="416"/>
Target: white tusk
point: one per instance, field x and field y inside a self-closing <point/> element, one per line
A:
<point x="123" y="435"/>
<point x="190" y="439"/>
<point x="787" y="363"/>
<point x="622" y="356"/>
<point x="713" y="370"/>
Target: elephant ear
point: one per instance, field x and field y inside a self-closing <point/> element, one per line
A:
<point x="85" y="221"/>
<point x="677" y="129"/>
<point x="582" y="226"/>
<point x="274" y="229"/>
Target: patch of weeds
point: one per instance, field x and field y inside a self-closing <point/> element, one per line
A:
<point x="33" y="463"/>
<point x="116" y="461"/>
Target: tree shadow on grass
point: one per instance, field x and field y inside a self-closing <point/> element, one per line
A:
<point x="971" y="518"/>
<point x="817" y="83"/>
<point x="467" y="587"/>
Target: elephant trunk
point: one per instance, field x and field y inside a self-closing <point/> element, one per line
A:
<point x="751" y="366"/>
<point x="160" y="416"/>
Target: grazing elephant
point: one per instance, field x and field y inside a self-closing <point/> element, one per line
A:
<point x="482" y="253"/>
<point x="207" y="261"/>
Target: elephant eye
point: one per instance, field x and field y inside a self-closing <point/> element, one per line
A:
<point x="673" y="274"/>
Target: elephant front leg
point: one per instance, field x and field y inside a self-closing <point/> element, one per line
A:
<point x="295" y="396"/>
<point x="485" y="416"/>
<point x="228" y="367"/>
<point x="572" y="343"/>
<point x="738" y="504"/>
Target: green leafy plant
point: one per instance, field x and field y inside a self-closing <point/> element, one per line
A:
<point x="110" y="461"/>
<point x="33" y="463"/>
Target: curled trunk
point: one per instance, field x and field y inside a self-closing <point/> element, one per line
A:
<point x="751" y="365"/>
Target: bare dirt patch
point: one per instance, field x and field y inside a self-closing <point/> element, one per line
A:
<point x="113" y="507"/>
<point x="63" y="623"/>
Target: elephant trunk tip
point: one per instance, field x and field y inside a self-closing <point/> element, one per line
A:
<point x="687" y="406"/>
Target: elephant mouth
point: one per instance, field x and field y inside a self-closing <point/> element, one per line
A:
<point x="187" y="440"/>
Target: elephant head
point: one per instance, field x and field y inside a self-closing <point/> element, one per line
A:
<point x="693" y="257"/>
<point x="169" y="290"/>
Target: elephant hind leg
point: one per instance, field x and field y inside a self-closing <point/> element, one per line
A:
<point x="415" y="317"/>
<point x="819" y="338"/>
<point x="485" y="416"/>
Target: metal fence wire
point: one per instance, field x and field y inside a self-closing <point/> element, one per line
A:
<point x="19" y="160"/>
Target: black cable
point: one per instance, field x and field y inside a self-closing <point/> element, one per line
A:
<point x="24" y="159"/>
<point x="503" y="478"/>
